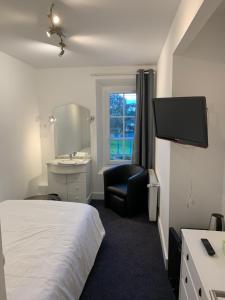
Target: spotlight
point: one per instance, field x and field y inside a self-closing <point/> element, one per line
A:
<point x="52" y="30"/>
<point x="55" y="20"/>
<point x="61" y="52"/>
<point x="62" y="45"/>
<point x="48" y="34"/>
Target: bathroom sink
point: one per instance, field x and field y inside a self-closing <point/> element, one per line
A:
<point x="68" y="166"/>
<point x="72" y="162"/>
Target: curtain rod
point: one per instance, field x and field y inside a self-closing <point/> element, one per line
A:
<point x="118" y="74"/>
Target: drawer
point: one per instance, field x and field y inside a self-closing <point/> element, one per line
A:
<point x="57" y="179"/>
<point x="73" y="178"/>
<point x="74" y="188"/>
<point x="74" y="197"/>
<point x="199" y="289"/>
<point x="183" y="293"/>
<point x="188" y="282"/>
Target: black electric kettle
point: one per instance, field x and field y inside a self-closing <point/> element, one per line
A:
<point x="217" y="222"/>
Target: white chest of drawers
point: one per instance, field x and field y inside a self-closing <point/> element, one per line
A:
<point x="201" y="273"/>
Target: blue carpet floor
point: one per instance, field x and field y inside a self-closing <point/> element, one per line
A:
<point x="129" y="265"/>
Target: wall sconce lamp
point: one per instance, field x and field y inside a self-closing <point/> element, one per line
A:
<point x="54" y="28"/>
<point x="91" y="119"/>
<point x="52" y="119"/>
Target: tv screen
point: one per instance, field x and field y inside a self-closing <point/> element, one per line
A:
<point x="182" y="119"/>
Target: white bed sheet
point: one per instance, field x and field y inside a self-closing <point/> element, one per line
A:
<point x="49" y="247"/>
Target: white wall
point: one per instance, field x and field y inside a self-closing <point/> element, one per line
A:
<point x="197" y="175"/>
<point x="74" y="85"/>
<point x="20" y="156"/>
<point x="184" y="16"/>
<point x="201" y="67"/>
<point x="191" y="17"/>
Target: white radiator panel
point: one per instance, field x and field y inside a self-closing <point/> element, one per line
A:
<point x="153" y="195"/>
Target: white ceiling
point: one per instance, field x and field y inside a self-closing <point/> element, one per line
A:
<point x="98" y="32"/>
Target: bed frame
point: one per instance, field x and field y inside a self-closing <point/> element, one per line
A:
<point x="2" y="277"/>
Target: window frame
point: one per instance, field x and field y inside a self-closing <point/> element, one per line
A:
<point x="106" y="117"/>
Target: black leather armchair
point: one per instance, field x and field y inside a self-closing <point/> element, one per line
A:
<point x="125" y="189"/>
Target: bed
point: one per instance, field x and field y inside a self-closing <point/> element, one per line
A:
<point x="49" y="247"/>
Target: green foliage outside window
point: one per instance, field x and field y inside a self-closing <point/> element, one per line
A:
<point x="122" y="125"/>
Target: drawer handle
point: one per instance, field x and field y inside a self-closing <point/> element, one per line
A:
<point x="186" y="280"/>
<point x="187" y="257"/>
<point x="200" y="292"/>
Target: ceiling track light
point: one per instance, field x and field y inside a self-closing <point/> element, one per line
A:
<point x="54" y="28"/>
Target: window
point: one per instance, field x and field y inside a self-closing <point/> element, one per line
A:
<point x="122" y="112"/>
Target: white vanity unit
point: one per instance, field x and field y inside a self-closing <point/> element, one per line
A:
<point x="70" y="179"/>
<point x="69" y="174"/>
<point x="201" y="273"/>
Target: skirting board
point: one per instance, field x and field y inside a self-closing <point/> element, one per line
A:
<point x="97" y="196"/>
<point x="163" y="244"/>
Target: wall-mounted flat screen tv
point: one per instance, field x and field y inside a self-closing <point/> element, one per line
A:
<point x="182" y="120"/>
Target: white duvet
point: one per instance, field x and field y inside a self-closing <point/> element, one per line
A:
<point x="49" y="247"/>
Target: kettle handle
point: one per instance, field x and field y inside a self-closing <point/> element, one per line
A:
<point x="219" y="226"/>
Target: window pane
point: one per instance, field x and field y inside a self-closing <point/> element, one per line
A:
<point x="128" y="147"/>
<point x="129" y="127"/>
<point x="116" y="149"/>
<point x="116" y="104"/>
<point x="116" y="127"/>
<point x="130" y="104"/>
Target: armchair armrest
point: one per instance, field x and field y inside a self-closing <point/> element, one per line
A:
<point x="137" y="190"/>
<point x="137" y="182"/>
<point x="110" y="177"/>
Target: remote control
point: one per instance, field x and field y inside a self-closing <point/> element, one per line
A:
<point x="208" y="247"/>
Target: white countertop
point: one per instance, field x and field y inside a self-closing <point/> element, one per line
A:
<point x="211" y="269"/>
<point x="69" y="162"/>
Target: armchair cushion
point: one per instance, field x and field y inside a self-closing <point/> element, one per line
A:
<point x="118" y="204"/>
<point x="118" y="189"/>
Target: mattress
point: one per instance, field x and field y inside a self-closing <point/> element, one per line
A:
<point x="49" y="248"/>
